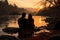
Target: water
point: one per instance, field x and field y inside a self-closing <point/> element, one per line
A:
<point x="38" y="21"/>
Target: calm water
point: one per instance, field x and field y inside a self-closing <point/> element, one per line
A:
<point x="38" y="21"/>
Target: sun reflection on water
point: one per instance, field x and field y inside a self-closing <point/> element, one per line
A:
<point x="38" y="21"/>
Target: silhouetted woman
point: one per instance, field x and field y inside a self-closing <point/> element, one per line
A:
<point x="30" y="25"/>
<point x="30" y="22"/>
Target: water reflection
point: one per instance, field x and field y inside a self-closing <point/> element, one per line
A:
<point x="38" y="21"/>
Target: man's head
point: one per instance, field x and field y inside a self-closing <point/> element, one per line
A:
<point x="23" y="14"/>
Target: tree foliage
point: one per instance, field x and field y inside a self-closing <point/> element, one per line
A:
<point x="54" y="2"/>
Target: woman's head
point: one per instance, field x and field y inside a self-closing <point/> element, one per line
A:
<point x="29" y="16"/>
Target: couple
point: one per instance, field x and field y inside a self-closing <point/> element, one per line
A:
<point x="26" y="26"/>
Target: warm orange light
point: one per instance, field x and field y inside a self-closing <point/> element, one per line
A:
<point x="37" y="21"/>
<point x="30" y="4"/>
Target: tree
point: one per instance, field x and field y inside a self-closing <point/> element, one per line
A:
<point x="54" y="2"/>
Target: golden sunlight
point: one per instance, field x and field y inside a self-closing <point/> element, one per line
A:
<point x="38" y="21"/>
<point x="27" y="3"/>
<point x="36" y="5"/>
<point x="23" y="3"/>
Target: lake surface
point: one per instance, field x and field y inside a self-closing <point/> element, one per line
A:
<point x="38" y="21"/>
<point x="13" y="22"/>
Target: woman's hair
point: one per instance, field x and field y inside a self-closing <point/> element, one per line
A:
<point x="30" y="16"/>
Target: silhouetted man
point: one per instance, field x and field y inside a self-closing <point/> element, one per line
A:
<point x="22" y="21"/>
<point x="22" y="25"/>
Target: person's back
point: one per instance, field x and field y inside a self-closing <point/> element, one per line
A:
<point x="30" y="26"/>
<point x="22" y="21"/>
<point x="30" y="22"/>
<point x="22" y="25"/>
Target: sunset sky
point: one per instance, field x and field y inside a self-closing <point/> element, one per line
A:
<point x="29" y="4"/>
<point x="35" y="4"/>
<point x="24" y="3"/>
